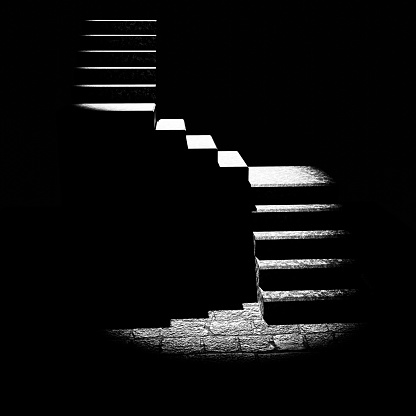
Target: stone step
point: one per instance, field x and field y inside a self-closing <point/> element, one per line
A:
<point x="118" y="114"/>
<point x="115" y="75"/>
<point x="171" y="134"/>
<point x="278" y="245"/>
<point x="233" y="166"/>
<point x="116" y="93"/>
<point x="295" y="274"/>
<point x="297" y="217"/>
<point x="117" y="58"/>
<point x="202" y="151"/>
<point x="118" y="42"/>
<point x="313" y="306"/>
<point x="290" y="185"/>
<point x="132" y="27"/>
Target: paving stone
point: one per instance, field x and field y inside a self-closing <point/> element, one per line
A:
<point x="237" y="314"/>
<point x="256" y="343"/>
<point x="312" y="328"/>
<point x="261" y="328"/>
<point x="346" y="327"/>
<point x="289" y="342"/>
<point x="319" y="340"/>
<point x="150" y="344"/>
<point x="185" y="345"/>
<point x="236" y="327"/>
<point x="145" y="332"/>
<point x="221" y="344"/>
<point x="186" y="328"/>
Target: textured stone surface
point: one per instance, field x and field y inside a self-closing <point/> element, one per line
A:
<point x="312" y="328"/>
<point x="289" y="342"/>
<point x="298" y="208"/>
<point x="221" y="344"/>
<point x="261" y="327"/>
<point x="299" y="235"/>
<point x="239" y="336"/>
<point x="256" y="343"/>
<point x="281" y="176"/>
<point x="234" y="327"/>
<point x="186" y="328"/>
<point x="182" y="345"/>
<point x="307" y="295"/>
<point x="319" y="340"/>
<point x="303" y="263"/>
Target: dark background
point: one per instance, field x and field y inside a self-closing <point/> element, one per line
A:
<point x="324" y="84"/>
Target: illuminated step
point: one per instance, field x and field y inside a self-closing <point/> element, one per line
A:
<point x="119" y="75"/>
<point x="290" y="185"/>
<point x="313" y="306"/>
<point x="143" y="114"/>
<point x="203" y="151"/>
<point x="297" y="217"/>
<point x="124" y="27"/>
<point x="139" y="42"/>
<point x="232" y="165"/>
<point x="116" y="93"/>
<point x="171" y="134"/>
<point x="99" y="57"/>
<point x="277" y="245"/>
<point x="290" y="274"/>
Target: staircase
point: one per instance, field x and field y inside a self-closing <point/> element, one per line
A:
<point x="305" y="264"/>
<point x="306" y="260"/>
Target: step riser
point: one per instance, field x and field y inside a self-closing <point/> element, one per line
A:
<point x="122" y="28"/>
<point x="115" y="76"/>
<point x="118" y="42"/>
<point x="303" y="279"/>
<point x="276" y="313"/>
<point x="304" y="249"/>
<point x="294" y="195"/>
<point x="114" y="94"/>
<point x="286" y="221"/>
<point x="116" y="59"/>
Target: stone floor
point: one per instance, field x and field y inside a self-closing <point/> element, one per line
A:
<point x="239" y="336"/>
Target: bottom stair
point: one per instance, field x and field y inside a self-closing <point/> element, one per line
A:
<point x="314" y="306"/>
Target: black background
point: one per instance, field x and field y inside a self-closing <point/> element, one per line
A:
<point x="325" y="84"/>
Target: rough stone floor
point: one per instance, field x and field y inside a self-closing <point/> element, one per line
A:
<point x="238" y="335"/>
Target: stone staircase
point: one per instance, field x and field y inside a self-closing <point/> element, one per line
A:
<point x="306" y="259"/>
<point x="305" y="263"/>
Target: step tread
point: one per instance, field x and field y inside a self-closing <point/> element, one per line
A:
<point x="299" y="235"/>
<point x="308" y="295"/>
<point x="176" y="124"/>
<point x="230" y="159"/>
<point x="304" y="264"/>
<point x="203" y="141"/>
<point x="288" y="176"/>
<point x="298" y="208"/>
<point x="143" y="107"/>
